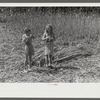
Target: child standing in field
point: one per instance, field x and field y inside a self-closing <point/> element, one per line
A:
<point x="48" y="38"/>
<point x="29" y="50"/>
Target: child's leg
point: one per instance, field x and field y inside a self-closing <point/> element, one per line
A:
<point x="26" y="62"/>
<point x="31" y="52"/>
<point x="30" y="60"/>
<point x="50" y="60"/>
<point x="46" y="60"/>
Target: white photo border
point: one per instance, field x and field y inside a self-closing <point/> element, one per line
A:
<point x="50" y="90"/>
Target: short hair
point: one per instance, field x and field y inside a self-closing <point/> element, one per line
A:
<point x="26" y="30"/>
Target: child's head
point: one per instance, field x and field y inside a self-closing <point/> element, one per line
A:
<point x="27" y="31"/>
<point x="49" y="29"/>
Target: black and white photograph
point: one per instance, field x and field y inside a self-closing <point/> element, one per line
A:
<point x="49" y="44"/>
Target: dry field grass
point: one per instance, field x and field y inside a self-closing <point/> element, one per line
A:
<point x="77" y="38"/>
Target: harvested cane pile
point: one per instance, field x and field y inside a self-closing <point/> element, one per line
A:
<point x="64" y="54"/>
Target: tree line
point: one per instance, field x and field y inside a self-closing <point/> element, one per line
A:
<point x="52" y="10"/>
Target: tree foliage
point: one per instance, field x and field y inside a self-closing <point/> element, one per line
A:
<point x="53" y="10"/>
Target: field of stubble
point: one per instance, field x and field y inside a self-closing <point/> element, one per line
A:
<point x="77" y="40"/>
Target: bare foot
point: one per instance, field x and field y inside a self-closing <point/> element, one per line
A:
<point x="25" y="71"/>
<point x="29" y="69"/>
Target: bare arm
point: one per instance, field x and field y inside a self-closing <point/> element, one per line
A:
<point x="32" y="36"/>
<point x="23" y="38"/>
<point x="44" y="36"/>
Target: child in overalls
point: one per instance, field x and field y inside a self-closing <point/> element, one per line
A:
<point x="29" y="50"/>
<point x="48" y="38"/>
